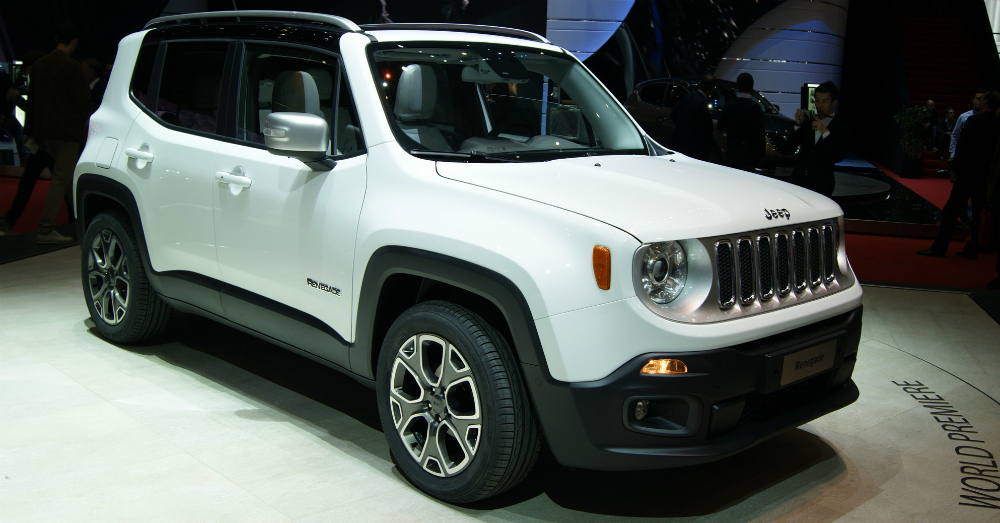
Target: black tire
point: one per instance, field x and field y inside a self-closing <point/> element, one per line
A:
<point x="508" y="440"/>
<point x="127" y="309"/>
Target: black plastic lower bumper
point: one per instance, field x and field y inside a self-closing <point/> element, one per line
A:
<point x="730" y="400"/>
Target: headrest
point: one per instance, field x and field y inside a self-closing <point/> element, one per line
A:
<point x="416" y="94"/>
<point x="295" y="92"/>
<point x="324" y="83"/>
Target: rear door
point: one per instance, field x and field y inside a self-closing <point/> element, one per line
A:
<point x="287" y="233"/>
<point x="170" y="150"/>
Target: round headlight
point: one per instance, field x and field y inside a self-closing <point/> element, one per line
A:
<point x="664" y="271"/>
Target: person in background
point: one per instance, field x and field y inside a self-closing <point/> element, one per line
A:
<point x="825" y="141"/>
<point x="36" y="163"/>
<point x="92" y="74"/>
<point x="58" y="108"/>
<point x="971" y="169"/>
<point x="944" y="129"/>
<point x="743" y="122"/>
<point x="931" y="125"/>
<point x="956" y="133"/>
<point x="693" y="134"/>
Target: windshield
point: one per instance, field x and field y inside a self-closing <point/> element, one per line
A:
<point x="498" y="100"/>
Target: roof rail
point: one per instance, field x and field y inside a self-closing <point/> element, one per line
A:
<point x="465" y="28"/>
<point x="335" y="21"/>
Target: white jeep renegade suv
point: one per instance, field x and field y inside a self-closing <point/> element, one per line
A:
<point x="463" y="218"/>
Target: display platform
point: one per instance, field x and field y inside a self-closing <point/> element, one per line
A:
<point x="876" y="203"/>
<point x="208" y="424"/>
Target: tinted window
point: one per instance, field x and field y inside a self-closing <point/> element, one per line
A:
<point x="674" y="95"/>
<point x="142" y="74"/>
<point x="271" y="71"/>
<point x="190" y="83"/>
<point x="653" y="93"/>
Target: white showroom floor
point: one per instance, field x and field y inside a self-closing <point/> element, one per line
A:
<point x="208" y="424"/>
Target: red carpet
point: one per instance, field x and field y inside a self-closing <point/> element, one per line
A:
<point x="887" y="259"/>
<point x="29" y="218"/>
<point x="934" y="190"/>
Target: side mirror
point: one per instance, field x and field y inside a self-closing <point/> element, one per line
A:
<point x="303" y="136"/>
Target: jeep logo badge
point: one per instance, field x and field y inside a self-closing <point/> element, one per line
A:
<point x="772" y="214"/>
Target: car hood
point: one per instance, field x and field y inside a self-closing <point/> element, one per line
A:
<point x="653" y="198"/>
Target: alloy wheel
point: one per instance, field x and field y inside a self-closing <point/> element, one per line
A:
<point x="108" y="277"/>
<point x="435" y="404"/>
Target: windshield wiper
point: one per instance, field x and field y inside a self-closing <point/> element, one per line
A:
<point x="471" y="157"/>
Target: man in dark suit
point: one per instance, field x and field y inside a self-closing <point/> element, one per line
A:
<point x="693" y="134"/>
<point x="743" y="122"/>
<point x="970" y="173"/>
<point x="58" y="108"/>
<point x="825" y="141"/>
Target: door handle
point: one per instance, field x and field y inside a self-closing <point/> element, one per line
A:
<point x="141" y="157"/>
<point x="236" y="181"/>
<point x="233" y="179"/>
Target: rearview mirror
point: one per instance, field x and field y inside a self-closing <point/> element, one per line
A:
<point x="303" y="136"/>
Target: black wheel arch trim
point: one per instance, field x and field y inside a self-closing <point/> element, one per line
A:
<point x="491" y="285"/>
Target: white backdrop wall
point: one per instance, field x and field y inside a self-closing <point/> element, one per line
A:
<point x="993" y="9"/>
<point x="798" y="42"/>
<point x="582" y="26"/>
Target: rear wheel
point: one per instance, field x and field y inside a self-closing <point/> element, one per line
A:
<point x="122" y="305"/>
<point x="452" y="405"/>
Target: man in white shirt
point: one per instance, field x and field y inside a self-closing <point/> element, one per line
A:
<point x="957" y="132"/>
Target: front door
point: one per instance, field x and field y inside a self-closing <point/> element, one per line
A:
<point x="284" y="231"/>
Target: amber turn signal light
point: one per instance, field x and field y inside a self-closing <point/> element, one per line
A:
<point x="602" y="267"/>
<point x="664" y="366"/>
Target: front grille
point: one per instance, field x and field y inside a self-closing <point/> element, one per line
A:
<point x="776" y="265"/>
<point x="815" y="263"/>
<point x="744" y="251"/>
<point x="724" y="261"/>
<point x="829" y="248"/>
<point x="766" y="267"/>
<point x="783" y="273"/>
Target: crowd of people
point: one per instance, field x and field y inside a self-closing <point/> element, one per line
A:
<point x="62" y="94"/>
<point x="823" y="138"/>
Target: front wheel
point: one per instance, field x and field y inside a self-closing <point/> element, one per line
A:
<point x="122" y="305"/>
<point x="452" y="404"/>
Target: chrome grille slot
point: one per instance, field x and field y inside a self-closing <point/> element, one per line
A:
<point x="799" y="259"/>
<point x="829" y="254"/>
<point x="815" y="262"/>
<point x="724" y="263"/>
<point x="765" y="267"/>
<point x="744" y="252"/>
<point x="783" y="273"/>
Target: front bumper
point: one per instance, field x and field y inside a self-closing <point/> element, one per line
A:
<point x="729" y="400"/>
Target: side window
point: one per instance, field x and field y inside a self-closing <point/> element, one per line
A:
<point x="142" y="76"/>
<point x="272" y="80"/>
<point x="190" y="83"/>
<point x="653" y="93"/>
<point x="348" y="133"/>
<point x="674" y="95"/>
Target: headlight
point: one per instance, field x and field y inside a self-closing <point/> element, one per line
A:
<point x="664" y="271"/>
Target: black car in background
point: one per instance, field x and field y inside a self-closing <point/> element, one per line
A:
<point x="652" y="101"/>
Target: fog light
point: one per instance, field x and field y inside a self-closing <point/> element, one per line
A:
<point x="664" y="366"/>
<point x="641" y="409"/>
